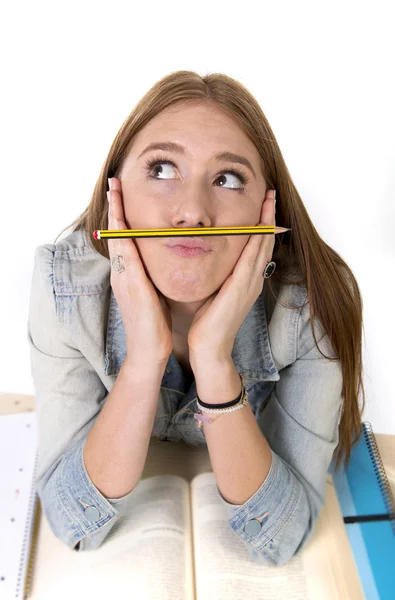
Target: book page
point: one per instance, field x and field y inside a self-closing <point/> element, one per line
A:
<point x="386" y="445"/>
<point x="18" y="446"/>
<point x="147" y="554"/>
<point x="323" y="570"/>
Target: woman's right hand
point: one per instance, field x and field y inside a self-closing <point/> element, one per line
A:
<point x="145" y="313"/>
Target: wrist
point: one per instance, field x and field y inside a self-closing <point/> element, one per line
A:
<point x="217" y="382"/>
<point x="146" y="367"/>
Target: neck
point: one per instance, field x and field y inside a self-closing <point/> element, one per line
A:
<point x="182" y="314"/>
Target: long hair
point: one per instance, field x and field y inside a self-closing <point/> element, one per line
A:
<point x="301" y="251"/>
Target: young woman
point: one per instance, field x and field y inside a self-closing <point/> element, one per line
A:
<point x="133" y="338"/>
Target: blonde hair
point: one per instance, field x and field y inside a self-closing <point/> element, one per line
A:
<point x="302" y="251"/>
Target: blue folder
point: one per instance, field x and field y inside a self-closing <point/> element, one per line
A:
<point x="363" y="489"/>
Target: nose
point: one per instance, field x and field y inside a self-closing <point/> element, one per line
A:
<point x="192" y="209"/>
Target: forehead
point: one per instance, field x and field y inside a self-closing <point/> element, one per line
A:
<point x="196" y="125"/>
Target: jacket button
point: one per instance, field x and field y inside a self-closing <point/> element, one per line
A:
<point x="252" y="527"/>
<point x="92" y="514"/>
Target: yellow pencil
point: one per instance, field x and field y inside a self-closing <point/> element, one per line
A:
<point x="100" y="234"/>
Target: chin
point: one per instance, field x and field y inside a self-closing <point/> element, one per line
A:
<point x="185" y="283"/>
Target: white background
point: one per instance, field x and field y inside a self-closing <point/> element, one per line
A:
<point x="323" y="73"/>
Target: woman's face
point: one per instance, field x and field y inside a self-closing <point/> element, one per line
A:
<point x="195" y="190"/>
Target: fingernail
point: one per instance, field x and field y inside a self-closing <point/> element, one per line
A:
<point x="109" y="183"/>
<point x="108" y="196"/>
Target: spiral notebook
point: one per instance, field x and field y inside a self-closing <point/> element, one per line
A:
<point x="19" y="505"/>
<point x="368" y="508"/>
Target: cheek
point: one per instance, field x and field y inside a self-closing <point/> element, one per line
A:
<point x="233" y="253"/>
<point x="141" y="211"/>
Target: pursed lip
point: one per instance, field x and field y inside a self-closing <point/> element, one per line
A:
<point x="189" y="243"/>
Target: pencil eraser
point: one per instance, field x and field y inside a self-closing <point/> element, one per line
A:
<point x="96" y="234"/>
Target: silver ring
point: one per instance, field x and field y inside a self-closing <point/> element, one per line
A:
<point x="269" y="270"/>
<point x="117" y="263"/>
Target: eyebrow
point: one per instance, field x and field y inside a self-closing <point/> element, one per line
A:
<point x="173" y="147"/>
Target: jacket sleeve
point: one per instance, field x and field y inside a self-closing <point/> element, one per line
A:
<point x="301" y="426"/>
<point x="69" y="395"/>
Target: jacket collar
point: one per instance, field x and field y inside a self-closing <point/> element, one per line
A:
<point x="251" y="353"/>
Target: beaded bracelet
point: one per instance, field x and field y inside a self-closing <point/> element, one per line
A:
<point x="221" y="409"/>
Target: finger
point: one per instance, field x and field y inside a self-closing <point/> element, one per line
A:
<point x="267" y="218"/>
<point x="251" y="259"/>
<point x="118" y="245"/>
<point x="113" y="244"/>
<point x="266" y="247"/>
<point x="268" y="209"/>
<point x="123" y="246"/>
<point x="117" y="204"/>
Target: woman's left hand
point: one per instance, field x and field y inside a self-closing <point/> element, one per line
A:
<point x="215" y="326"/>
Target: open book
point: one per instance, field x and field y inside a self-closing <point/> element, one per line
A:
<point x="174" y="543"/>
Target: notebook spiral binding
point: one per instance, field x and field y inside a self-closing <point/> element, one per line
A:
<point x="380" y="471"/>
<point x="29" y="541"/>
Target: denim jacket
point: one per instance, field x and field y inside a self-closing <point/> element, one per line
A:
<point x="77" y="346"/>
